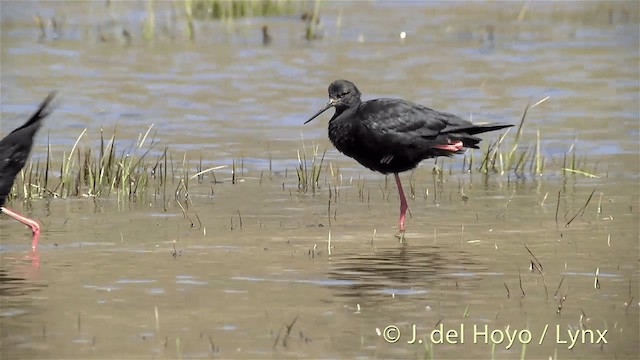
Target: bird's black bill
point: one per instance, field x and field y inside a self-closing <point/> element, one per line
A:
<point x="325" y="108"/>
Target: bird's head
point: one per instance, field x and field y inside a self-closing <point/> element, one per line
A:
<point x="342" y="95"/>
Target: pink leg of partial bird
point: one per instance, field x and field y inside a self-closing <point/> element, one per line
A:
<point x="403" y="203"/>
<point x="35" y="227"/>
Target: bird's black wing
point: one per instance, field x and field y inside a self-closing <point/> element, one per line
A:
<point x="400" y="118"/>
<point x="16" y="146"/>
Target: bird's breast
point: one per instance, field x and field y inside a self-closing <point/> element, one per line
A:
<point x="344" y="137"/>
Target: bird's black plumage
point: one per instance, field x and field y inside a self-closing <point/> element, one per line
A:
<point x="16" y="147"/>
<point x="393" y="135"/>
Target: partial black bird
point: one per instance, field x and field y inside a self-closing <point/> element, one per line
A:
<point x="14" y="151"/>
<point x="393" y="135"/>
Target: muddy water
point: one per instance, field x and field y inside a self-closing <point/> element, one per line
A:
<point x="253" y="277"/>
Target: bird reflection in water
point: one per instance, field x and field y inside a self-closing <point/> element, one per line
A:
<point x="408" y="270"/>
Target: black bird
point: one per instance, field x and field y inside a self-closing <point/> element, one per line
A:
<point x="393" y="135"/>
<point x="14" y="151"/>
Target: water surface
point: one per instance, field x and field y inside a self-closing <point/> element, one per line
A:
<point x="253" y="278"/>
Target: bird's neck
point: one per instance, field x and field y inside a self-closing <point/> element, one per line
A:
<point x="336" y="115"/>
<point x="348" y="112"/>
<point x="343" y="126"/>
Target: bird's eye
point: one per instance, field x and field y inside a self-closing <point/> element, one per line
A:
<point x="341" y="95"/>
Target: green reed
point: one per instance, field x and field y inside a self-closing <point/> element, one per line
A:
<point x="149" y="26"/>
<point x="313" y="21"/>
<point x="232" y="9"/>
<point x="309" y="167"/>
<point x="188" y="10"/>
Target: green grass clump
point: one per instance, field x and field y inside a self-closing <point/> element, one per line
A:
<point x="130" y="174"/>
<point x="500" y="158"/>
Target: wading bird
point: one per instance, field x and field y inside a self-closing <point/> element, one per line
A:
<point x="393" y="135"/>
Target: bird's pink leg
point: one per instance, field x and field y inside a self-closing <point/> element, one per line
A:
<point x="403" y="203"/>
<point x="35" y="227"/>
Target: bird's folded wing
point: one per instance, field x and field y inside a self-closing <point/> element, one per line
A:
<point x="389" y="116"/>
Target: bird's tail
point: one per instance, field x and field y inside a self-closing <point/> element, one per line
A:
<point x="43" y="111"/>
<point x="465" y="133"/>
<point x="473" y="129"/>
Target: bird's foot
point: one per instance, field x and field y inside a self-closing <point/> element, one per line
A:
<point x="401" y="237"/>
<point x="35" y="229"/>
<point x="33" y="224"/>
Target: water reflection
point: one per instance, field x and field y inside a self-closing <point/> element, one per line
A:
<point x="12" y="283"/>
<point x="17" y="306"/>
<point x="404" y="270"/>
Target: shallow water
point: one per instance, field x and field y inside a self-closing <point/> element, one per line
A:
<point x="253" y="277"/>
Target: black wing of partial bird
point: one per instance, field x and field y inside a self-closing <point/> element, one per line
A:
<point x="396" y="123"/>
<point x="400" y="117"/>
<point x="396" y="116"/>
<point x="16" y="146"/>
